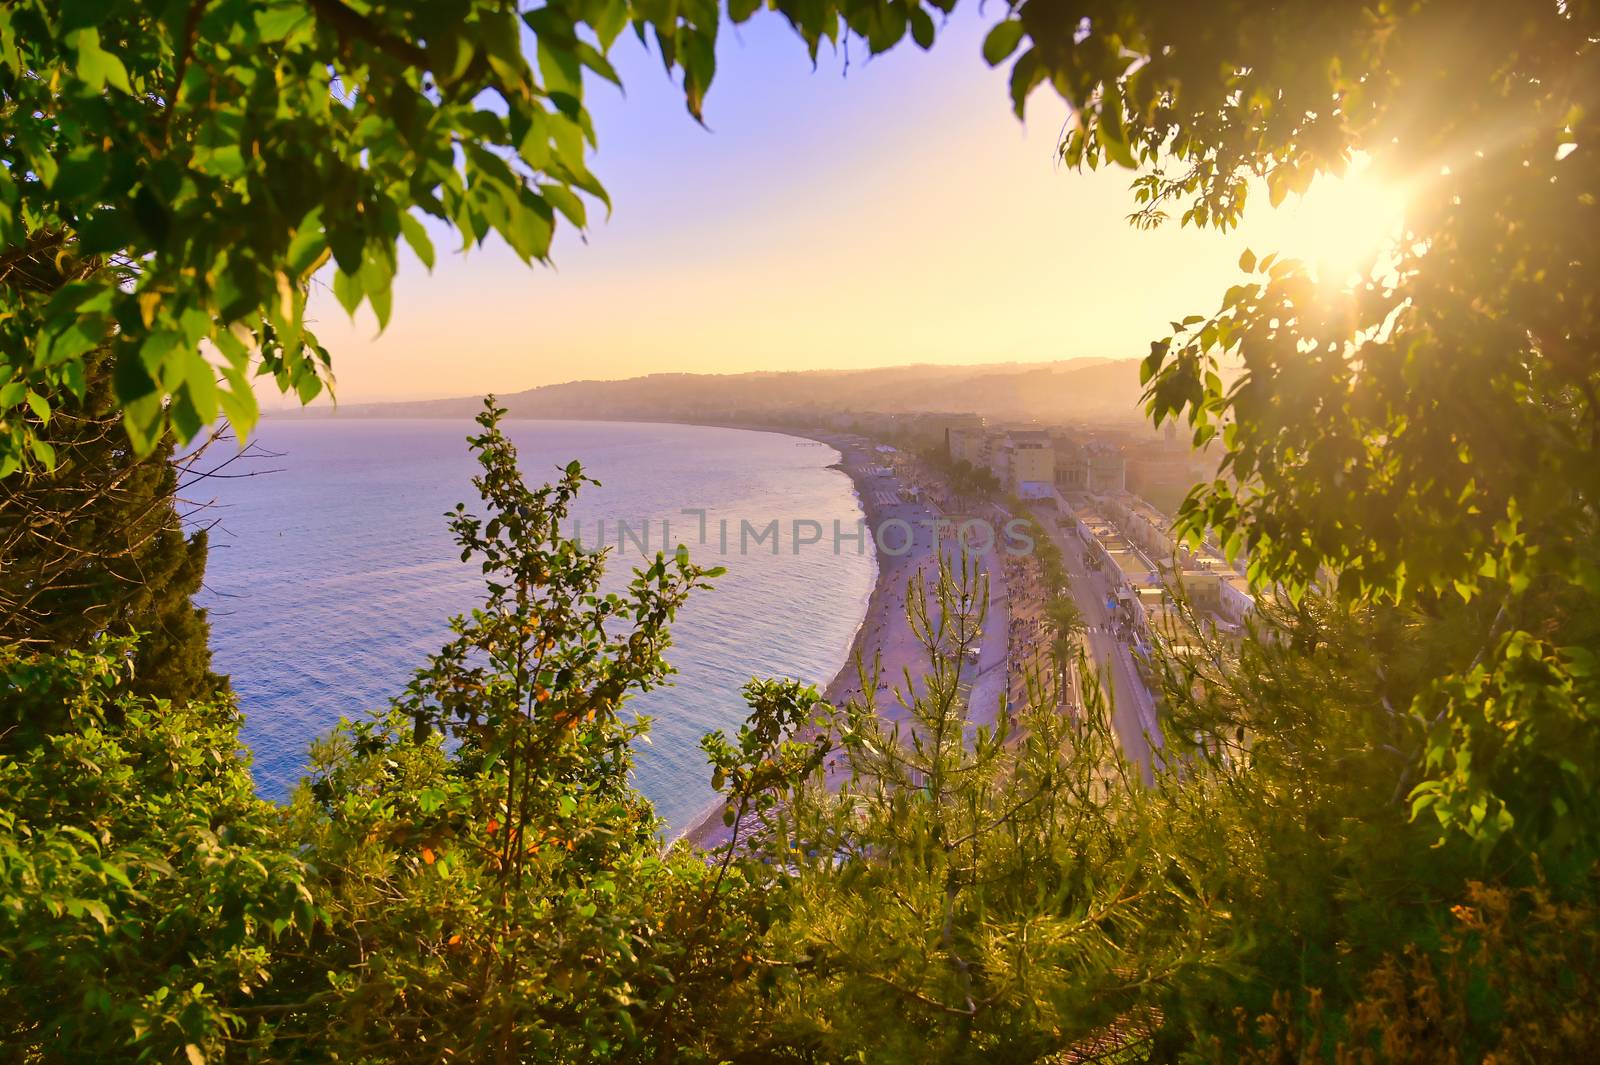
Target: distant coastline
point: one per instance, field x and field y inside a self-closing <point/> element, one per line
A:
<point x="1078" y="389"/>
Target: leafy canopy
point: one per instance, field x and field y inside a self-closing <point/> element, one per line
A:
<point x="197" y="163"/>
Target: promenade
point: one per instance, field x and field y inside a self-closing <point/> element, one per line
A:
<point x="1133" y="710"/>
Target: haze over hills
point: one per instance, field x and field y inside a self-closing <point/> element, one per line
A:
<point x="1083" y="389"/>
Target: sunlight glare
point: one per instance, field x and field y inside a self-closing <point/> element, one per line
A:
<point x="1344" y="226"/>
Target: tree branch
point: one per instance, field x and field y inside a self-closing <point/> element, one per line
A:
<point x="351" y="23"/>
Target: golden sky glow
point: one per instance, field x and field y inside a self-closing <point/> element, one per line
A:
<point x="897" y="214"/>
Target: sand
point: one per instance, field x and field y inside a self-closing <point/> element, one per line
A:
<point x="884" y="630"/>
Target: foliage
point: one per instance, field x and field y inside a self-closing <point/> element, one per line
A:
<point x="1512" y="983"/>
<point x="494" y="877"/>
<point x="966" y="480"/>
<point x="1303" y="729"/>
<point x="1066" y="622"/>
<point x="469" y="874"/>
<point x="1428" y="427"/>
<point x="957" y="891"/>
<point x="1409" y="457"/>
<point x="97" y="546"/>
<point x="1061" y="610"/>
<point x="144" y="888"/>
<point x="201" y="162"/>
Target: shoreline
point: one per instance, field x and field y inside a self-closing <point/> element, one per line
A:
<point x="707" y="831"/>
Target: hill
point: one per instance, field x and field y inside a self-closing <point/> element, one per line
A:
<point x="1088" y="389"/>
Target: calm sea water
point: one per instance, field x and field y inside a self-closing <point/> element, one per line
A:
<point x="331" y="579"/>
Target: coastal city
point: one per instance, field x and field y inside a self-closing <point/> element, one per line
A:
<point x="1100" y="581"/>
<point x="1130" y="577"/>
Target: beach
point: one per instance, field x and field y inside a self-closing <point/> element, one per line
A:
<point x="885" y="631"/>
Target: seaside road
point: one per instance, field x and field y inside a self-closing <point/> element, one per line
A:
<point x="1133" y="712"/>
<point x="988" y="675"/>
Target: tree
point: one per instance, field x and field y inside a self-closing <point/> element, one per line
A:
<point x="144" y="886"/>
<point x="956" y="891"/>
<point x="1363" y="934"/>
<point x="96" y="546"/>
<point x="496" y="882"/>
<point x="223" y="152"/>
<point x="966" y="480"/>
<point x="1430" y="429"/>
<point x="1066" y="623"/>
<point x="487" y="886"/>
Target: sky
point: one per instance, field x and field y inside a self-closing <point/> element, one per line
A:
<point x="891" y="212"/>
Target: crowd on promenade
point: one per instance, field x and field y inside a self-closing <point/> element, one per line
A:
<point x="1029" y="635"/>
<point x="1029" y="653"/>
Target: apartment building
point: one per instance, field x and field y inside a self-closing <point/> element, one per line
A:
<point x="1029" y="461"/>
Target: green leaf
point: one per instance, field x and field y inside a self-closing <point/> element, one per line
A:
<point x="567" y="202"/>
<point x="1002" y="41"/>
<point x="96" y="67"/>
<point x="280" y="20"/>
<point x="698" y="56"/>
<point x="200" y="385"/>
<point x="1026" y="75"/>
<point x="225" y="161"/>
<point x="238" y="400"/>
<point x="595" y="61"/>
<point x="377" y="278"/>
<point x="43" y="452"/>
<point x="79" y="336"/>
<point x="1113" y="136"/>
<point x="560" y="69"/>
<point x="307" y="247"/>
<point x="307" y="385"/>
<point x="417" y="237"/>
<point x="347" y="290"/>
<point x="610" y="21"/>
<point x="922" y="30"/>
<point x="81" y="173"/>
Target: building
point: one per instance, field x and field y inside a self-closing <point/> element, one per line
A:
<point x="1235" y="601"/>
<point x="1202" y="587"/>
<point x="1145" y="526"/>
<point x="1029" y="463"/>
<point x="1107" y="471"/>
<point x="1096" y="466"/>
<point x="948" y="424"/>
<point x="968" y="445"/>
<point x="1164" y="475"/>
<point x="1072" y="465"/>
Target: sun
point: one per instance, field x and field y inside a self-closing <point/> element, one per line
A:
<point x="1346" y="227"/>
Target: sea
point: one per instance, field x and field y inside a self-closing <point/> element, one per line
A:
<point x="332" y="574"/>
